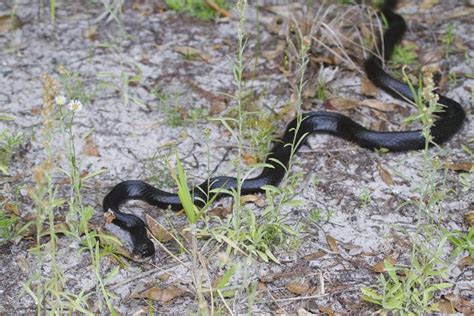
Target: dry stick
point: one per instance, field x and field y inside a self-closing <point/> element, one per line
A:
<point x="141" y="276"/>
<point x="299" y="298"/>
<point x="203" y="262"/>
<point x="218" y="9"/>
<point x="276" y="302"/>
<point x="169" y="252"/>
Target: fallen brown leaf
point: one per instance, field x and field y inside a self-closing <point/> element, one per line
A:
<point x="368" y="88"/>
<point x="341" y="104"/>
<point x="221" y="212"/>
<point x="216" y="107"/>
<point x="327" y="310"/>
<point x="253" y="198"/>
<point x="22" y="264"/>
<point x="332" y="242"/>
<point x="158" y="231"/>
<point x="315" y="255"/>
<point x="261" y="286"/>
<point x="465" y="262"/>
<point x="379" y="105"/>
<point x="298" y="287"/>
<point x="465" y="166"/>
<point x="161" y="295"/>
<point x="379" y="267"/>
<point x="385" y="175"/>
<point x="10" y="208"/>
<point x="432" y="57"/>
<point x="109" y="216"/>
<point x="249" y="159"/>
<point x="91" y="33"/>
<point x="323" y="60"/>
<point x="445" y="306"/>
<point x="428" y="4"/>
<point x="9" y="23"/>
<point x="144" y="8"/>
<point x="90" y="148"/>
<point x="460" y="46"/>
<point x="469" y="217"/>
<point x="461" y="305"/>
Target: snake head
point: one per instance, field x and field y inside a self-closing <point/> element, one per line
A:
<point x="144" y="248"/>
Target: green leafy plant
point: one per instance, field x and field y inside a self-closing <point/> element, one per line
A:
<point x="9" y="142"/>
<point x="7" y="225"/>
<point x="407" y="291"/>
<point x="196" y="8"/>
<point x="404" y="54"/>
<point x="448" y="39"/>
<point x="462" y="241"/>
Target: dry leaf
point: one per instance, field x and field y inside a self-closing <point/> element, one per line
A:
<point x="469" y="217"/>
<point x="432" y="57"/>
<point x="217" y="107"/>
<point x="10" y="208"/>
<point x="91" y="33"/>
<point x="22" y="264"/>
<point x="327" y="310"/>
<point x="379" y="267"/>
<point x="158" y="231"/>
<point x="466" y="166"/>
<point x="161" y="295"/>
<point x="368" y="88"/>
<point x="143" y="7"/>
<point x="323" y="60"/>
<point x="385" y="175"/>
<point x="428" y="4"/>
<point x="109" y="216"/>
<point x="253" y="198"/>
<point x="332" y="242"/>
<point x="249" y="159"/>
<point x="9" y="23"/>
<point x="315" y="255"/>
<point x="298" y="287"/>
<point x="465" y="262"/>
<point x="221" y="212"/>
<point x="90" y="148"/>
<point x="261" y="286"/>
<point x="460" y="46"/>
<point x="61" y="227"/>
<point x="445" y="306"/>
<point x="192" y="53"/>
<point x="341" y="104"/>
<point x="461" y="305"/>
<point x="379" y="105"/>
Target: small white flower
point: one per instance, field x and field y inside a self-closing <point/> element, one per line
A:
<point x="60" y="100"/>
<point x="75" y="105"/>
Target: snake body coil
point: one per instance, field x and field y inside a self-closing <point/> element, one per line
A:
<point x="449" y="122"/>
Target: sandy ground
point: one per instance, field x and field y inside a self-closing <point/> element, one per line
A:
<point x="129" y="125"/>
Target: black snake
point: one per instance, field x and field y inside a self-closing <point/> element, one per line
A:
<point x="448" y="123"/>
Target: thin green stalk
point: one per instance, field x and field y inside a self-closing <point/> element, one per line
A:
<point x="238" y="71"/>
